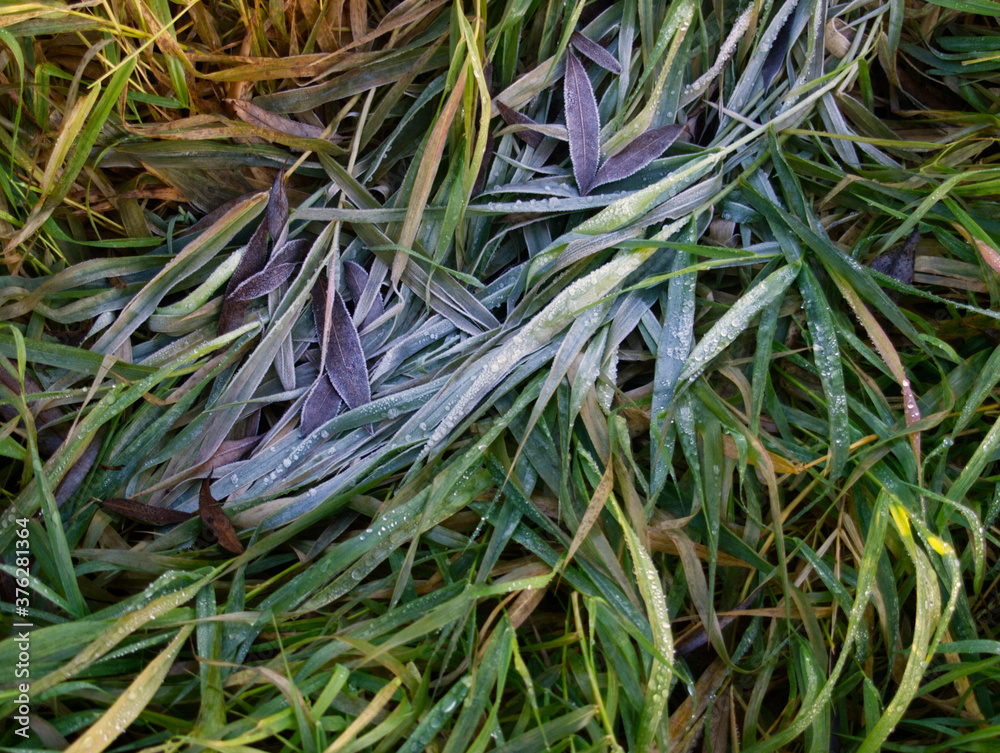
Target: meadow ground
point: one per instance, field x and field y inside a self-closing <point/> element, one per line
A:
<point x="499" y="377"/>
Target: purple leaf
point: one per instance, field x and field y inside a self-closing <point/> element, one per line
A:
<point x="320" y="405"/>
<point x="583" y="124"/>
<point x="513" y="117"/>
<point x="290" y="251"/>
<point x="282" y="265"/>
<point x="262" y="283"/>
<point x="637" y="154"/>
<point x="253" y="260"/>
<point x="357" y="279"/>
<point x="345" y="361"/>
<point x="277" y="206"/>
<point x="597" y="54"/>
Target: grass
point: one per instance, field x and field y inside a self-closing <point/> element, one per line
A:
<point x="345" y="409"/>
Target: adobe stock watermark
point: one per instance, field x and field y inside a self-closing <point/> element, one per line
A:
<point x="22" y="628"/>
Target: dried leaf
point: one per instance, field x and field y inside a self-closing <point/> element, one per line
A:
<point x="277" y="207"/>
<point x="216" y="520"/>
<point x="637" y="154"/>
<point x="320" y="406"/>
<point x="253" y="260"/>
<point x="258" y="116"/>
<point x="129" y="508"/>
<point x="513" y="117"/>
<point x="345" y="361"/>
<point x="597" y="54"/>
<point x="357" y="280"/>
<point x="776" y="55"/>
<point x="988" y="252"/>
<point x="898" y="262"/>
<point x="583" y="124"/>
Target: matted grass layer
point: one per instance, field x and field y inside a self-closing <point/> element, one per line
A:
<point x="522" y="376"/>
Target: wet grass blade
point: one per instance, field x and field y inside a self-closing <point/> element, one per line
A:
<point x="130" y="705"/>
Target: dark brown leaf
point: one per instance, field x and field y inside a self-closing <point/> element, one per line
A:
<point x="583" y="123"/>
<point x="277" y="206"/>
<point x="898" y="262"/>
<point x="717" y="735"/>
<point x="216" y="520"/>
<point x="637" y="154"/>
<point x="320" y="406"/>
<point x="129" y="508"/>
<point x="357" y="280"/>
<point x="345" y="361"/>
<point x="253" y="260"/>
<point x="513" y="117"/>
<point x="597" y="54"/>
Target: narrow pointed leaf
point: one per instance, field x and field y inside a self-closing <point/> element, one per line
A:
<point x="320" y="406"/>
<point x="357" y="280"/>
<point x="253" y="260"/>
<point x="263" y="282"/>
<point x="735" y="321"/>
<point x="345" y="361"/>
<point x="637" y="154"/>
<point x="258" y="116"/>
<point x="216" y="520"/>
<point x="826" y="351"/>
<point x="582" y="122"/>
<point x="513" y="117"/>
<point x="290" y="252"/>
<point x="776" y="55"/>
<point x="597" y="54"/>
<point x="129" y="508"/>
<point x="277" y="206"/>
